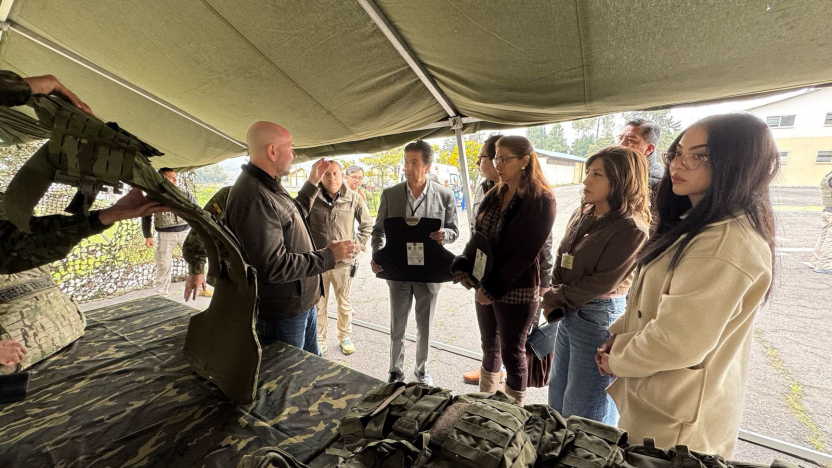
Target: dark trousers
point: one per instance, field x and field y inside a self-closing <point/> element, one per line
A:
<point x="503" y="331"/>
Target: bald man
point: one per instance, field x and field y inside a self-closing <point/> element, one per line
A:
<point x="273" y="233"/>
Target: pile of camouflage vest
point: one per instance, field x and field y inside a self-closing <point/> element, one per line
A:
<point x="414" y="425"/>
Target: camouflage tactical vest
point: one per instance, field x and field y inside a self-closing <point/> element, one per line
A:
<point x="826" y="190"/>
<point x="415" y="425"/>
<point x="38" y="315"/>
<point x="482" y="430"/>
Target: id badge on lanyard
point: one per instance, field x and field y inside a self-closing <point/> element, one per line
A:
<point x="567" y="260"/>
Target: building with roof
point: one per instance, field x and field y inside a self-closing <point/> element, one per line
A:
<point x="802" y="127"/>
<point x="561" y="168"/>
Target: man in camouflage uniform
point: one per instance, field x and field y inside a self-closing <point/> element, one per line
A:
<point x="171" y="231"/>
<point x="194" y="253"/>
<point x="822" y="256"/>
<point x="333" y="215"/>
<point x="28" y="295"/>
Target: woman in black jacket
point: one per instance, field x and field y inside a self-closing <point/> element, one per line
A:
<point x="516" y="216"/>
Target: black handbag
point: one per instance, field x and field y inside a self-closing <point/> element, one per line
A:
<point x="540" y="350"/>
<point x="541" y="339"/>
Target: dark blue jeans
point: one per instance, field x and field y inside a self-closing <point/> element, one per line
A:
<point x="300" y="331"/>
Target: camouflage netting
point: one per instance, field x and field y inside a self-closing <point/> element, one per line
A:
<point x="114" y="262"/>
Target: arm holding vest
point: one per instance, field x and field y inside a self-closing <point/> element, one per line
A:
<point x="51" y="239"/>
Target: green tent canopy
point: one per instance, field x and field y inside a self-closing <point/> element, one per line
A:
<point x="348" y="76"/>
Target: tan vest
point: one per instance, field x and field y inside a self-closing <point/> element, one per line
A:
<point x="38" y="315"/>
<point x="826" y="190"/>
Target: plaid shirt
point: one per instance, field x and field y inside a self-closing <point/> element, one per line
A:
<point x="489" y="224"/>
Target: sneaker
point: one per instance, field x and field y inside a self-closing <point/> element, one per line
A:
<point x="206" y="292"/>
<point x="322" y="347"/>
<point x="473" y="377"/>
<point x="347" y="347"/>
<point x="425" y="379"/>
<point x="395" y="377"/>
<point x="826" y="272"/>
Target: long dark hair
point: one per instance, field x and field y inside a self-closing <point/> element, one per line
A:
<point x="627" y="172"/>
<point x="532" y="180"/>
<point x="744" y="161"/>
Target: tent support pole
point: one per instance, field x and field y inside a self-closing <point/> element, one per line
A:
<point x="5" y="9"/>
<point x="42" y="41"/>
<point x="456" y="124"/>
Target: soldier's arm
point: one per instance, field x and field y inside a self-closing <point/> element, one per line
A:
<point x="194" y="253"/>
<point x="193" y="250"/>
<point x="51" y="239"/>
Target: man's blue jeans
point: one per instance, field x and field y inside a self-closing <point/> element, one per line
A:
<point x="300" y="331"/>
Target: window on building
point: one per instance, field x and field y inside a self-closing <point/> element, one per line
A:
<point x="784" y="157"/>
<point x="780" y="121"/>
<point x="828" y="120"/>
<point x="824" y="156"/>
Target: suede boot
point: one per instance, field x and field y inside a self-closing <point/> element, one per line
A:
<point x="489" y="381"/>
<point x="517" y="395"/>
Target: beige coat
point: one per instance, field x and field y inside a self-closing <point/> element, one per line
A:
<point x="682" y="348"/>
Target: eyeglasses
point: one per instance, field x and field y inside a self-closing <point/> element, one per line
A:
<point x="690" y="161"/>
<point x="356" y="177"/>
<point x="505" y="159"/>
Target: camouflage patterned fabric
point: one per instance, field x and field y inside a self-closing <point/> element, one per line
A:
<point x="51" y="239"/>
<point x="124" y="395"/>
<point x="193" y="251"/>
<point x="38" y="315"/>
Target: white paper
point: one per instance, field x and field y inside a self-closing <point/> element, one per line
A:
<point x="415" y="253"/>
<point x="479" y="265"/>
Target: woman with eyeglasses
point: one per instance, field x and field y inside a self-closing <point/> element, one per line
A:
<point x="517" y="217"/>
<point x="681" y="350"/>
<point x="593" y="273"/>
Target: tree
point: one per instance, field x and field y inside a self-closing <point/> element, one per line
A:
<point x="538" y="137"/>
<point x="557" y="139"/>
<point x="670" y="127"/>
<point x="472" y="150"/>
<point x="385" y="167"/>
<point x="582" y="145"/>
<point x="212" y="174"/>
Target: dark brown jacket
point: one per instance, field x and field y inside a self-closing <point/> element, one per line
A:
<point x="271" y="228"/>
<point x="518" y="246"/>
<point x="604" y="256"/>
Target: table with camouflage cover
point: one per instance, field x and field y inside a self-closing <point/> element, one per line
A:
<point x="124" y="395"/>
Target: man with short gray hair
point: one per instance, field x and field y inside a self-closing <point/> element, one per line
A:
<point x="643" y="135"/>
<point x="355" y="175"/>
